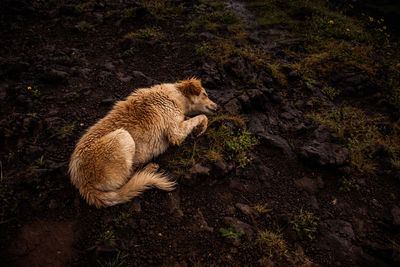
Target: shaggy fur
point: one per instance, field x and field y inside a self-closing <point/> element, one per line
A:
<point x="133" y="132"/>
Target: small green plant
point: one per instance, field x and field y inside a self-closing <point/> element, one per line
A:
<point x="111" y="14"/>
<point x="70" y="97"/>
<point x="118" y="261"/>
<point x="163" y="9"/>
<point x="66" y="131"/>
<point x="129" y="13"/>
<point x="273" y="245"/>
<point x="121" y="219"/>
<point x="261" y="209"/>
<point x="148" y="34"/>
<point x="84" y="26"/>
<point x="108" y="237"/>
<point x="34" y="90"/>
<point x="236" y="145"/>
<point x="349" y="184"/>
<point x="277" y="74"/>
<point x="128" y="53"/>
<point x="305" y="224"/>
<point x="330" y="92"/>
<point x="80" y="8"/>
<point x="230" y="232"/>
<point x="202" y="49"/>
<point x="40" y="162"/>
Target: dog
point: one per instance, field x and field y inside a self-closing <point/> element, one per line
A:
<point x="135" y="131"/>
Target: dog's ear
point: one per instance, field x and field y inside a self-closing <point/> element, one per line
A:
<point x="190" y="87"/>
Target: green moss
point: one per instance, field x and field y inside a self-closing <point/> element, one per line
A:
<point x="146" y="34"/>
<point x="230" y="232"/>
<point x="273" y="245"/>
<point x="66" y="131"/>
<point x="305" y="224"/>
<point x="128" y="53"/>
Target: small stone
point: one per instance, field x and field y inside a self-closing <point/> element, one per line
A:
<point x="247" y="210"/>
<point x="314" y="203"/>
<point x="107" y="101"/>
<point x="198" y="169"/>
<point x="286" y="116"/>
<point x="109" y="66"/>
<point x="135" y="206"/>
<point x="53" y="204"/>
<point x="55" y="76"/>
<point x="396" y="215"/>
<point x="307" y="184"/>
<point x="174" y="204"/>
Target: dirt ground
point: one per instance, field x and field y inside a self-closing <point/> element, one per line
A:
<point x="64" y="64"/>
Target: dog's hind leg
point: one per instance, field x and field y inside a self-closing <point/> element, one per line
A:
<point x="114" y="162"/>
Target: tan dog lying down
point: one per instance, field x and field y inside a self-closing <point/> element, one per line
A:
<point x="133" y="132"/>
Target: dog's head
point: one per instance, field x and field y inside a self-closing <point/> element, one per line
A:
<point x="197" y="97"/>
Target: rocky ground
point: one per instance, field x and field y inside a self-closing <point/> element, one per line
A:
<point x="300" y="167"/>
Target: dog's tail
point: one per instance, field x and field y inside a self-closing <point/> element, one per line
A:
<point x="139" y="182"/>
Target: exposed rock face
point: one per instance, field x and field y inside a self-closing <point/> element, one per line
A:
<point x="325" y="154"/>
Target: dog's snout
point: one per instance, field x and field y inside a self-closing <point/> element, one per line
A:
<point x="213" y="107"/>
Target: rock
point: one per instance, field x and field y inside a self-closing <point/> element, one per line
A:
<point x="198" y="169"/>
<point x="396" y="215"/>
<point x="239" y="226"/>
<point x="236" y="184"/>
<point x="34" y="151"/>
<point x="293" y="112"/>
<point x="325" y="154"/>
<point x="200" y="223"/>
<point x="258" y="100"/>
<point x="286" y="116"/>
<point x="55" y="76"/>
<point x="141" y="12"/>
<point x="174" y="204"/>
<point x="124" y="78"/>
<point x="12" y="67"/>
<point x="278" y="142"/>
<point x="109" y="66"/>
<point x="207" y="36"/>
<point x="233" y="106"/>
<point x="107" y="102"/>
<point x="195" y="173"/>
<point x="53" y="204"/>
<point x="322" y="134"/>
<point x="246" y="210"/>
<point x="258" y="123"/>
<point x="293" y="75"/>
<point x="221" y="168"/>
<point x="307" y="184"/>
<point x="256" y="170"/>
<point x="106" y="250"/>
<point x="337" y="236"/>
<point x="141" y="76"/>
<point x="342" y="228"/>
<point x="314" y="203"/>
<point x="277" y="98"/>
<point x="136" y="206"/>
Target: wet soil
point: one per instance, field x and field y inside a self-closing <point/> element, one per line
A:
<point x="57" y="79"/>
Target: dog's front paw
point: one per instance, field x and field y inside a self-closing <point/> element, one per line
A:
<point x="201" y="127"/>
